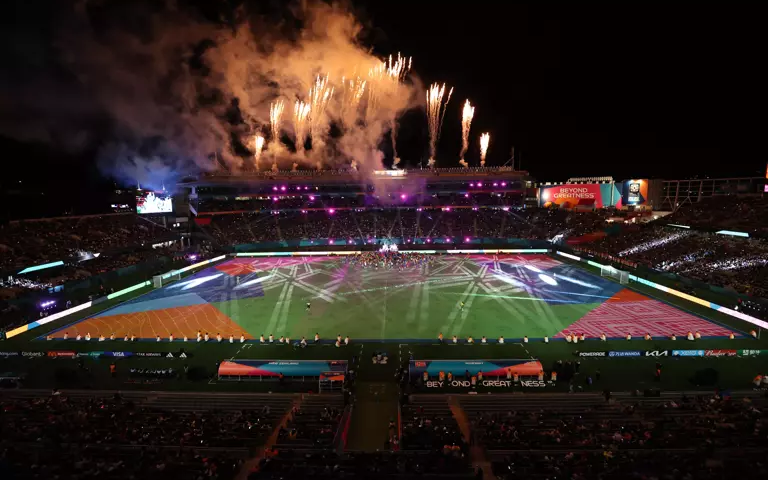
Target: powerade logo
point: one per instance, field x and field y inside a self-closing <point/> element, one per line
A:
<point x="687" y="353"/>
<point x="592" y="354"/>
<point x="625" y="353"/>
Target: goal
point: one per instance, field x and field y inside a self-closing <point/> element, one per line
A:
<point x="621" y="276"/>
<point x="159" y="281"/>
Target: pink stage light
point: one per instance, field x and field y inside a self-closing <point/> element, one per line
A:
<point x="332" y="211"/>
<point x="311" y="198"/>
<point x="506" y="209"/>
<point x="474" y="209"/>
<point x="274" y="199"/>
<point x="282" y="189"/>
<point x="467" y="239"/>
<point x="447" y="209"/>
<point x="466" y="195"/>
<point x="274" y="188"/>
<point x="403" y="196"/>
<point x="351" y="242"/>
<point x="429" y="240"/>
<point x="503" y="184"/>
<point x="471" y="184"/>
<point x="330" y="242"/>
<point x="303" y="211"/>
<point x="495" y="184"/>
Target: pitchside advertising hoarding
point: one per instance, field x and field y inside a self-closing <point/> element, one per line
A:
<point x="289" y="368"/>
<point x="588" y="195"/>
<point x="673" y="353"/>
<point x="494" y="373"/>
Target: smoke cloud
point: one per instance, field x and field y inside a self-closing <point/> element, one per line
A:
<point x="162" y="91"/>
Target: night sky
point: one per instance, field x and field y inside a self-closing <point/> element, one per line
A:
<point x="627" y="91"/>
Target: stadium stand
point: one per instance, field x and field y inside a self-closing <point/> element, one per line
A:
<point x="132" y="435"/>
<point x="746" y="214"/>
<point x="584" y="436"/>
<point x="735" y="263"/>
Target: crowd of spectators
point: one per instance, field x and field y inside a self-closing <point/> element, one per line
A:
<point x="695" y="433"/>
<point x="736" y="263"/>
<point x="358" y="225"/>
<point x="34" y="242"/>
<point x="62" y="437"/>
<point x="744" y="214"/>
<point x="387" y="260"/>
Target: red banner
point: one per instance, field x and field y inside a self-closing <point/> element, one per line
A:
<point x="719" y="353"/>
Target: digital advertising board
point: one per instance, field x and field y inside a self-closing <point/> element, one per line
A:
<point x="289" y="368"/>
<point x="587" y="195"/>
<point x="634" y="192"/>
<point x="153" y="202"/>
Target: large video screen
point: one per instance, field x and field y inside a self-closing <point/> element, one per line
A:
<point x="153" y="202"/>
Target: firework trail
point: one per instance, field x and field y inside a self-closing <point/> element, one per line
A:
<point x="396" y="73"/>
<point x="259" y="142"/>
<point x="353" y="91"/>
<point x="485" y="140"/>
<point x="319" y="96"/>
<point x="396" y="162"/>
<point x="435" y="114"/>
<point x="275" y="119"/>
<point x="466" y="122"/>
<point x="300" y="117"/>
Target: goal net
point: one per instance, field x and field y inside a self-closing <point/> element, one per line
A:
<point x="621" y="276"/>
<point x="159" y="281"/>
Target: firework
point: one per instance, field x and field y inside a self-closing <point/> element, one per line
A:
<point x="466" y="122"/>
<point x="319" y="96"/>
<point x="435" y="114"/>
<point x="300" y="117"/>
<point x="485" y="140"/>
<point x="275" y="119"/>
<point x="396" y="73"/>
<point x="463" y="163"/>
<point x="259" y="143"/>
<point x="353" y="90"/>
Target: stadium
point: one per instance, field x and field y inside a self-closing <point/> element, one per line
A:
<point x="259" y="295"/>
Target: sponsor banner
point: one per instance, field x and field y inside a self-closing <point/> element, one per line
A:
<point x="742" y="353"/>
<point x="575" y="195"/>
<point x="116" y="354"/>
<point x="149" y="354"/>
<point x="62" y="353"/>
<point x="720" y="353"/>
<point x="489" y="384"/>
<point x="687" y="353"/>
<point x="289" y="368"/>
<point x="657" y="353"/>
<point x="33" y="354"/>
<point x="634" y="192"/>
<point x="9" y="354"/>
<point x="593" y="354"/>
<point x="625" y="353"/>
<point x="496" y="368"/>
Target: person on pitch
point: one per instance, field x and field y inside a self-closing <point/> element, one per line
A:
<point x="309" y="305"/>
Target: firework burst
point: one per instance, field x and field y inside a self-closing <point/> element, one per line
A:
<point x="466" y="122"/>
<point x="353" y="90"/>
<point x="485" y="140"/>
<point x="435" y="114"/>
<point x="259" y="144"/>
<point x="275" y="119"/>
<point x="300" y="123"/>
<point x="320" y="95"/>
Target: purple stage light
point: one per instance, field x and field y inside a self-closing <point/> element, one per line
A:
<point x="330" y="242"/>
<point x="466" y="195"/>
<point x="274" y="199"/>
<point x="351" y="242"/>
<point x="503" y="184"/>
<point x="429" y="240"/>
<point x="419" y="209"/>
<point x="479" y="184"/>
<point x="370" y="241"/>
<point x="303" y="211"/>
<point x="403" y="196"/>
<point x="447" y="209"/>
<point x="311" y="198"/>
<point x="282" y="189"/>
<point x="471" y="184"/>
<point x="474" y="209"/>
<point x="332" y="211"/>
<point x="506" y="209"/>
<point x="495" y="184"/>
<point x="467" y="239"/>
<point x="274" y="188"/>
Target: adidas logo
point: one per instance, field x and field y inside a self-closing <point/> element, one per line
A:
<point x="170" y="355"/>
